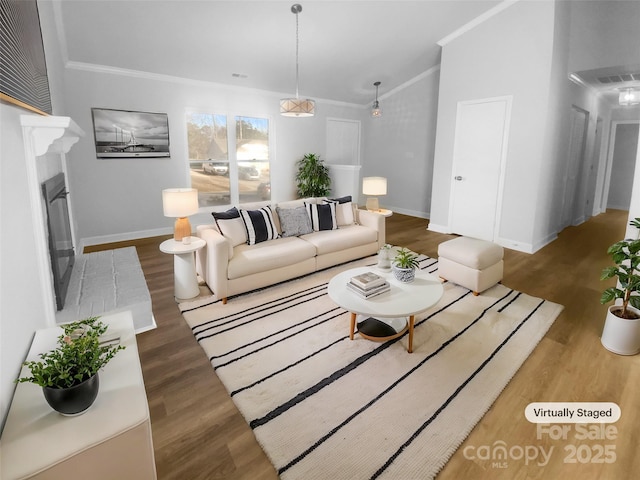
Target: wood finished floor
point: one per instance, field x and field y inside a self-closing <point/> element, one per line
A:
<point x="199" y="434"/>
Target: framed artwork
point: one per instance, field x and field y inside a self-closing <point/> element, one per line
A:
<point x="128" y="134"/>
<point x="23" y="70"/>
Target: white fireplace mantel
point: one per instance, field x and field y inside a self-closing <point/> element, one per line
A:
<point x="46" y="141"/>
<point x="51" y="134"/>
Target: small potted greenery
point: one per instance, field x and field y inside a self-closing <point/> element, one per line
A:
<point x="312" y="179"/>
<point x="404" y="265"/>
<point x="68" y="374"/>
<point x="621" y="333"/>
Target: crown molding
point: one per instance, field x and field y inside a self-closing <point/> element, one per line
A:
<point x="476" y="21"/>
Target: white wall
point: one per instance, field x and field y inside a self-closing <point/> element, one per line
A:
<point x="623" y="165"/>
<point x="400" y="145"/>
<point x="22" y="304"/>
<point x="510" y="54"/>
<point x="604" y="35"/>
<point x="116" y="199"/>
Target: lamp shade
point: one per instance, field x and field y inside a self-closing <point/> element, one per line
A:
<point x="295" y="107"/>
<point x="179" y="202"/>
<point x="374" y="186"/>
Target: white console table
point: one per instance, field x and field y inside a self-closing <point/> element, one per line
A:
<point x="112" y="439"/>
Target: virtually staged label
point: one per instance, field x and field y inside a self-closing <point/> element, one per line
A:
<point x="572" y="412"/>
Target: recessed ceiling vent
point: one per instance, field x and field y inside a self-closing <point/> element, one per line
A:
<point x="624" y="77"/>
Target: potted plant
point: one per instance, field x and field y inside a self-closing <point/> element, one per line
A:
<point x="68" y="374"/>
<point x="621" y="333"/>
<point x="312" y="179"/>
<point x="404" y="265"/>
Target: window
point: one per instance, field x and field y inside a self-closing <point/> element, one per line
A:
<point x="222" y="178"/>
<point x="252" y="154"/>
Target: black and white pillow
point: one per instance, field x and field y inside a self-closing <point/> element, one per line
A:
<point x="344" y="210"/>
<point x="231" y="226"/>
<point x="294" y="221"/>
<point x="259" y="225"/>
<point x="323" y="216"/>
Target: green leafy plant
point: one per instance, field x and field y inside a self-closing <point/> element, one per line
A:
<point x="626" y="257"/>
<point x="406" y="259"/>
<point x="312" y="179"/>
<point x="77" y="358"/>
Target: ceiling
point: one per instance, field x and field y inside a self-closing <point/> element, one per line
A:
<point x="344" y="46"/>
<point x="609" y="82"/>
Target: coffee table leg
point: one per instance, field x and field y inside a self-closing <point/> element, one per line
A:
<point x="411" y="321"/>
<point x="353" y="325"/>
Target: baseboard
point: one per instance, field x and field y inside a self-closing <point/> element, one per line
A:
<point x="122" y="237"/>
<point x="515" y="245"/>
<point x="438" y="228"/>
<point x="404" y="211"/>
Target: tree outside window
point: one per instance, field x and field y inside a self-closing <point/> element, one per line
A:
<point x="222" y="178"/>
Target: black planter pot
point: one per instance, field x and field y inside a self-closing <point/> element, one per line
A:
<point x="73" y="400"/>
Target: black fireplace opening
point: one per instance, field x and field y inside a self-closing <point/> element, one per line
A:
<point x="60" y="239"/>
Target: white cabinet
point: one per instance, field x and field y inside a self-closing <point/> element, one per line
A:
<point x="110" y="440"/>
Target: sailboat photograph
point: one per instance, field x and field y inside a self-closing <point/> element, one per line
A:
<point x="126" y="134"/>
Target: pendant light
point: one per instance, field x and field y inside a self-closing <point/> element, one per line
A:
<point x="296" y="107"/>
<point x="629" y="97"/>
<point x="376" y="111"/>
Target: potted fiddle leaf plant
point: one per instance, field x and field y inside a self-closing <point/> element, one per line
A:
<point x="68" y="374"/>
<point x="621" y="333"/>
<point x="312" y="178"/>
<point x="404" y="265"/>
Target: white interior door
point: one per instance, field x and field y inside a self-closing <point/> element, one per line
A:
<point x="478" y="163"/>
<point x="572" y="209"/>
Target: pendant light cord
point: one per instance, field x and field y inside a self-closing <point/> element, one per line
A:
<point x="297" y="48"/>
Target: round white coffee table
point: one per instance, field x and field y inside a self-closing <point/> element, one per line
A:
<point x="403" y="300"/>
<point x="184" y="266"/>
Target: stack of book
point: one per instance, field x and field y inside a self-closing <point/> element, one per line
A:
<point x="368" y="285"/>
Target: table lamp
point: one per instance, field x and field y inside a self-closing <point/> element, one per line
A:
<point x="180" y="203"/>
<point x="374" y="186"/>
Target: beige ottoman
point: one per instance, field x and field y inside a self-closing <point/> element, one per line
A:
<point x="474" y="264"/>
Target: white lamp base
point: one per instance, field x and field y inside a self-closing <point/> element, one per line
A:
<point x="372" y="204"/>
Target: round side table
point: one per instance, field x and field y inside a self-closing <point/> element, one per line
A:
<point x="184" y="266"/>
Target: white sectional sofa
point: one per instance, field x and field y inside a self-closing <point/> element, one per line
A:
<point x="230" y="265"/>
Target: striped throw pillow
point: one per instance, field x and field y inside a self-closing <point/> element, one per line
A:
<point x="259" y="224"/>
<point x="323" y="216"/>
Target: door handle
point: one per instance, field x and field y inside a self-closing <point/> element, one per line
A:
<point x="458" y="178"/>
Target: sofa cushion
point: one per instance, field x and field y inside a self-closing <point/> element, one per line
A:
<point x="294" y="221"/>
<point x="265" y="256"/>
<point x="323" y="216"/>
<point x="259" y="224"/>
<point x="341" y="239"/>
<point x="231" y="226"/>
<point x="344" y="210"/>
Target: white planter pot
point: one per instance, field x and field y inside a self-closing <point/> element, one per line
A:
<point x="620" y="335"/>
<point x="406" y="275"/>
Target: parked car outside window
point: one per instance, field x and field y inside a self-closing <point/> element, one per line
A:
<point x="215" y="168"/>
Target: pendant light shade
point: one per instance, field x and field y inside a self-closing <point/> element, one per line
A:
<point x="296" y="107"/>
<point x="629" y="97"/>
<point x="376" y="111"/>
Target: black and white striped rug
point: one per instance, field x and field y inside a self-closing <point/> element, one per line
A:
<point x="325" y="407"/>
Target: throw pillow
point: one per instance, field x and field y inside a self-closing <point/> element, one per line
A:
<point x="294" y="221"/>
<point x="344" y="210"/>
<point x="231" y="226"/>
<point x="323" y="216"/>
<point x="259" y="225"/>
